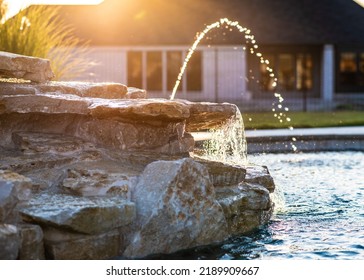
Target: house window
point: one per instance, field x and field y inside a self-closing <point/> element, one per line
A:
<point x="286" y="72"/>
<point x="294" y="72"/>
<point x="361" y="70"/>
<point x="304" y="66"/>
<point x="348" y="68"/>
<point x="174" y="62"/>
<point x="351" y="71"/>
<point x="154" y="71"/>
<point x="265" y="76"/>
<point x="158" y="70"/>
<point x="135" y="69"/>
<point x="194" y="72"/>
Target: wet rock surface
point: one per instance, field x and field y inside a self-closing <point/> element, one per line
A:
<point x="96" y="171"/>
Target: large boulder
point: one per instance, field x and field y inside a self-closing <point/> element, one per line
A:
<point x="176" y="209"/>
<point x="25" y="67"/>
<point x="246" y="207"/>
<point x="222" y="174"/>
<point x="248" y="203"/>
<point x="260" y="175"/>
<point x="66" y="245"/>
<point x="80" y="214"/>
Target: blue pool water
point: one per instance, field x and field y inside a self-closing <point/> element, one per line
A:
<point x="322" y="216"/>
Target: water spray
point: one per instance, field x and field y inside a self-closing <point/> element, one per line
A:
<point x="250" y="40"/>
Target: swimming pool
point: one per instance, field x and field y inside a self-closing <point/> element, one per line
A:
<point x="322" y="216"/>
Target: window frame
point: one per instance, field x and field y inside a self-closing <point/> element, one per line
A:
<point x="295" y="51"/>
<point x="355" y="88"/>
<point x="184" y="86"/>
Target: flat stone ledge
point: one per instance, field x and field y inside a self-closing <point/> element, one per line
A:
<point x="206" y="115"/>
<point x="81" y="89"/>
<point x="25" y="67"/>
<point x="198" y="116"/>
<point x="63" y="245"/>
<point x="80" y="214"/>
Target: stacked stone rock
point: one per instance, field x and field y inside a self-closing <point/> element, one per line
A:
<point x="95" y="171"/>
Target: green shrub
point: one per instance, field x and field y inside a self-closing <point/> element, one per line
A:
<point x="39" y="31"/>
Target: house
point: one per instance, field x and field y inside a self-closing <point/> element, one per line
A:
<point x="315" y="48"/>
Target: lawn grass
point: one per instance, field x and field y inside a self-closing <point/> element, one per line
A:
<point x="266" y="120"/>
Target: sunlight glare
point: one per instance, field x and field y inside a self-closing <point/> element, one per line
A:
<point x="14" y="6"/>
<point x="360" y="2"/>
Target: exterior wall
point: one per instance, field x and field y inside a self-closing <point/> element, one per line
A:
<point x="349" y="95"/>
<point x="108" y="64"/>
<point x="328" y="73"/>
<point x="227" y="84"/>
<point x="231" y="75"/>
<point x="224" y="72"/>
